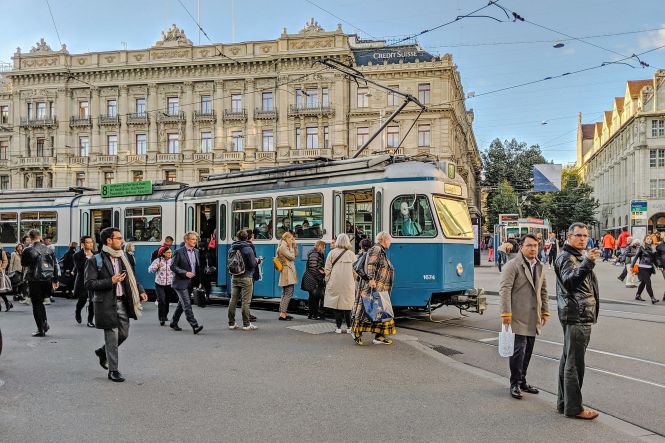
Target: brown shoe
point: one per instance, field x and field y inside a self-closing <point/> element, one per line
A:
<point x="587" y="414"/>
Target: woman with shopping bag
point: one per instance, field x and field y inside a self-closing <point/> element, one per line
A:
<point x="380" y="272"/>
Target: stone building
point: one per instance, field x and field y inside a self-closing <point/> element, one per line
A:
<point x="178" y="112"/>
<point x="623" y="156"/>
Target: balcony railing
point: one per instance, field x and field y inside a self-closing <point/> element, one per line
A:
<point x="235" y="115"/>
<point x="260" y="114"/>
<point x="38" y="122"/>
<point x="106" y="160"/>
<point x="4" y="162"/>
<point x="137" y="118"/>
<point x="169" y="158"/>
<point x="137" y="158"/>
<point x="265" y="156"/>
<point x="37" y="161"/>
<point x="80" y="160"/>
<point x="233" y="156"/>
<point x="309" y="153"/>
<point x="304" y="109"/>
<point x="177" y="117"/>
<point x="109" y="120"/>
<point x="77" y="122"/>
<point x="205" y="116"/>
<point x="203" y="156"/>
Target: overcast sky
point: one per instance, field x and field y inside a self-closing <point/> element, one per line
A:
<point x="490" y="55"/>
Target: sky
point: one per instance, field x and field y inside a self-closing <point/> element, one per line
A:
<point x="489" y="54"/>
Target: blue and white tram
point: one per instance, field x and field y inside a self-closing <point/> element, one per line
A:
<point x="421" y="203"/>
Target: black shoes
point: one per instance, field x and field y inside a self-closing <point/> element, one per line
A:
<point x="198" y="329"/>
<point x="38" y="334"/>
<point x="91" y="325"/>
<point x="9" y="306"/>
<point x="525" y="387"/>
<point x="116" y="376"/>
<point x="77" y="316"/>
<point x="516" y="392"/>
<point x="287" y="318"/>
<point x="101" y="354"/>
<point x="639" y="298"/>
<point x="654" y="301"/>
<point x="161" y="323"/>
<point x="252" y="318"/>
<point x="175" y="327"/>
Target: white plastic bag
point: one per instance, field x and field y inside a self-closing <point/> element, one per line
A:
<point x="506" y="341"/>
<point x="387" y="304"/>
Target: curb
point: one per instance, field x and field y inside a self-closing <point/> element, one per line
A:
<point x="604" y="418"/>
<point x="609" y="301"/>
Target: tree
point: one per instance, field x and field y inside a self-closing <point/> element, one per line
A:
<point x="574" y="203"/>
<point x="504" y="201"/>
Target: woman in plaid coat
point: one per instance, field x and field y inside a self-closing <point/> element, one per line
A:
<point x="380" y="272"/>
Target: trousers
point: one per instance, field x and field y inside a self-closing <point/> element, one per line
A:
<point x="116" y="336"/>
<point x="241" y="287"/>
<point x="184" y="305"/>
<point x="644" y="274"/>
<point x="519" y="361"/>
<point x="287" y="293"/>
<point x="571" y="368"/>
<point x="84" y="296"/>
<point x="39" y="290"/>
<point x="342" y="314"/>
<point x="162" y="293"/>
<point x="314" y="301"/>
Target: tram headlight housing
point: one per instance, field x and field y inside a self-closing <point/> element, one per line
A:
<point x="460" y="269"/>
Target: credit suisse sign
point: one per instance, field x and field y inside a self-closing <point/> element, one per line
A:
<point x="396" y="54"/>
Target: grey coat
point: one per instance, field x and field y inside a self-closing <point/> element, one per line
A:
<point x="523" y="299"/>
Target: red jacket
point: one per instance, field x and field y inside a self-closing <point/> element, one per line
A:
<point x="608" y="241"/>
<point x="622" y="241"/>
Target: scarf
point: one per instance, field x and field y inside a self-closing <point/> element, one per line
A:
<point x="136" y="300"/>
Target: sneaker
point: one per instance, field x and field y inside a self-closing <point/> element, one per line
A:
<point x="338" y="331"/>
<point x="47" y="301"/>
<point x="382" y="341"/>
<point x="358" y="339"/>
<point x="233" y="326"/>
<point x="251" y="327"/>
<point x="349" y="331"/>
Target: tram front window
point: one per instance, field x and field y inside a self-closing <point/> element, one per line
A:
<point x="412" y="217"/>
<point x="454" y="217"/>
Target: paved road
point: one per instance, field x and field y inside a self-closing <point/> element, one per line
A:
<point x="625" y="359"/>
<point x="274" y="384"/>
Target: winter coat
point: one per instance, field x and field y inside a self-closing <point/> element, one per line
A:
<point x="645" y="257"/>
<point x="340" y="282"/>
<point x="660" y="255"/>
<point x="287" y="256"/>
<point x="608" y="241"/>
<point x="248" y="257"/>
<point x="4" y="260"/>
<point x="15" y="263"/>
<point x="312" y="278"/>
<point x="577" y="294"/>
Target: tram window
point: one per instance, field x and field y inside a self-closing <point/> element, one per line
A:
<point x="454" y="217"/>
<point x="254" y="215"/>
<point x="8" y="227"/>
<point x="412" y="217"/>
<point x="301" y="215"/>
<point x="45" y="221"/>
<point x="143" y="224"/>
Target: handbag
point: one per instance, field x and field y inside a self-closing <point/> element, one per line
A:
<point x="333" y="265"/>
<point x="374" y="307"/>
<point x="5" y="283"/>
<point x="276" y="261"/>
<point x="506" y="341"/>
<point x="636" y="268"/>
<point x="199" y="297"/>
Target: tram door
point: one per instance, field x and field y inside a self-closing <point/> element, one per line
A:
<point x="205" y="223"/>
<point x="94" y="220"/>
<point x="354" y="215"/>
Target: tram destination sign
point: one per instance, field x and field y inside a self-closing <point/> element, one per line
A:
<point x="126" y="189"/>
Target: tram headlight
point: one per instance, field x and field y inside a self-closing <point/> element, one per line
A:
<point x="460" y="269"/>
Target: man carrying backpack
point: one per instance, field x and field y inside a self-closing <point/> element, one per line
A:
<point x="241" y="264"/>
<point x="41" y="273"/>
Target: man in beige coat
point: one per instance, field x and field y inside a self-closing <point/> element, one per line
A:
<point x="523" y="291"/>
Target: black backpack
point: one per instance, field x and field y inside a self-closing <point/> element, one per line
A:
<point x="44" y="266"/>
<point x="359" y="266"/>
<point x="235" y="262"/>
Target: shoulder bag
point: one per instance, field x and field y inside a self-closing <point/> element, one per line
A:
<point x="333" y="264"/>
<point x="276" y="261"/>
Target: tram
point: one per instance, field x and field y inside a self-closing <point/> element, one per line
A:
<point x="513" y="224"/>
<point x="420" y="202"/>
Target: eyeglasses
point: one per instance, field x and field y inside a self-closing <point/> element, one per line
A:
<point x="581" y="235"/>
<point x="116" y="238"/>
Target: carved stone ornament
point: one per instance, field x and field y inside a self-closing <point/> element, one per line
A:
<point x="265" y="49"/>
<point x="235" y="50"/>
<point x="40" y="47"/>
<point x="81" y="60"/>
<point x="312" y="26"/>
<point x="174" y="53"/>
<point x="203" y="52"/>
<point x="203" y="86"/>
<point x="138" y="57"/>
<point x="173" y="37"/>
<point x="109" y="92"/>
<point x="109" y="58"/>
<point x="311" y="44"/>
<point x="39" y="62"/>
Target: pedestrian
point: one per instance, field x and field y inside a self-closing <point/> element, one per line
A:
<point x="655" y="238"/>
<point x="15" y="268"/>
<point x="313" y="279"/>
<point x="645" y="259"/>
<point x="502" y="256"/>
<point x="129" y="249"/>
<point x="622" y="240"/>
<point x="515" y="247"/>
<point x="552" y="249"/>
<point x="523" y="292"/>
<point x="578" y="301"/>
<point x="380" y="272"/>
<point x="287" y="252"/>
<point x="541" y="248"/>
<point x="161" y="266"/>
<point x="188" y="269"/>
<point x="608" y="246"/>
<point x="168" y="244"/>
<point x="490" y="249"/>
<point x="80" y="292"/>
<point x="359" y="264"/>
<point x="242" y="284"/>
<point x="627" y="275"/>
<point x="4" y="265"/>
<point x="117" y="296"/>
<point x="340" y="282"/>
<point x="67" y="274"/>
<point x="257" y="271"/>
<point x="42" y="277"/>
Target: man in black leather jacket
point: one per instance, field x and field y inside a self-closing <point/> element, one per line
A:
<point x="578" y="304"/>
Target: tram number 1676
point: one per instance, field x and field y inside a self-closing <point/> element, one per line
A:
<point x="429" y="277"/>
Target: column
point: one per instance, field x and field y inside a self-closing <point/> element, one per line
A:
<point x="188" y="107"/>
<point x="95" y="140"/>
<point x="153" y="112"/>
<point x="124" y="144"/>
<point x="219" y="142"/>
<point x="250" y="126"/>
<point x="285" y="129"/>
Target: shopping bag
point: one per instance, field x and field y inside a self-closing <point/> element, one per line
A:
<point x="506" y="341"/>
<point x="387" y="304"/>
<point x="5" y="283"/>
<point x="374" y="308"/>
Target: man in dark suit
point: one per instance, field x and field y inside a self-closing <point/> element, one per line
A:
<point x="188" y="270"/>
<point x="116" y="295"/>
<point x="80" y="292"/>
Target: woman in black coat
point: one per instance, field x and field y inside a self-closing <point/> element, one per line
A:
<point x="645" y="259"/>
<point x="313" y="279"/>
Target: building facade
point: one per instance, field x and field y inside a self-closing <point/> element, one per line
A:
<point x="178" y="112"/>
<point x="623" y="156"/>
